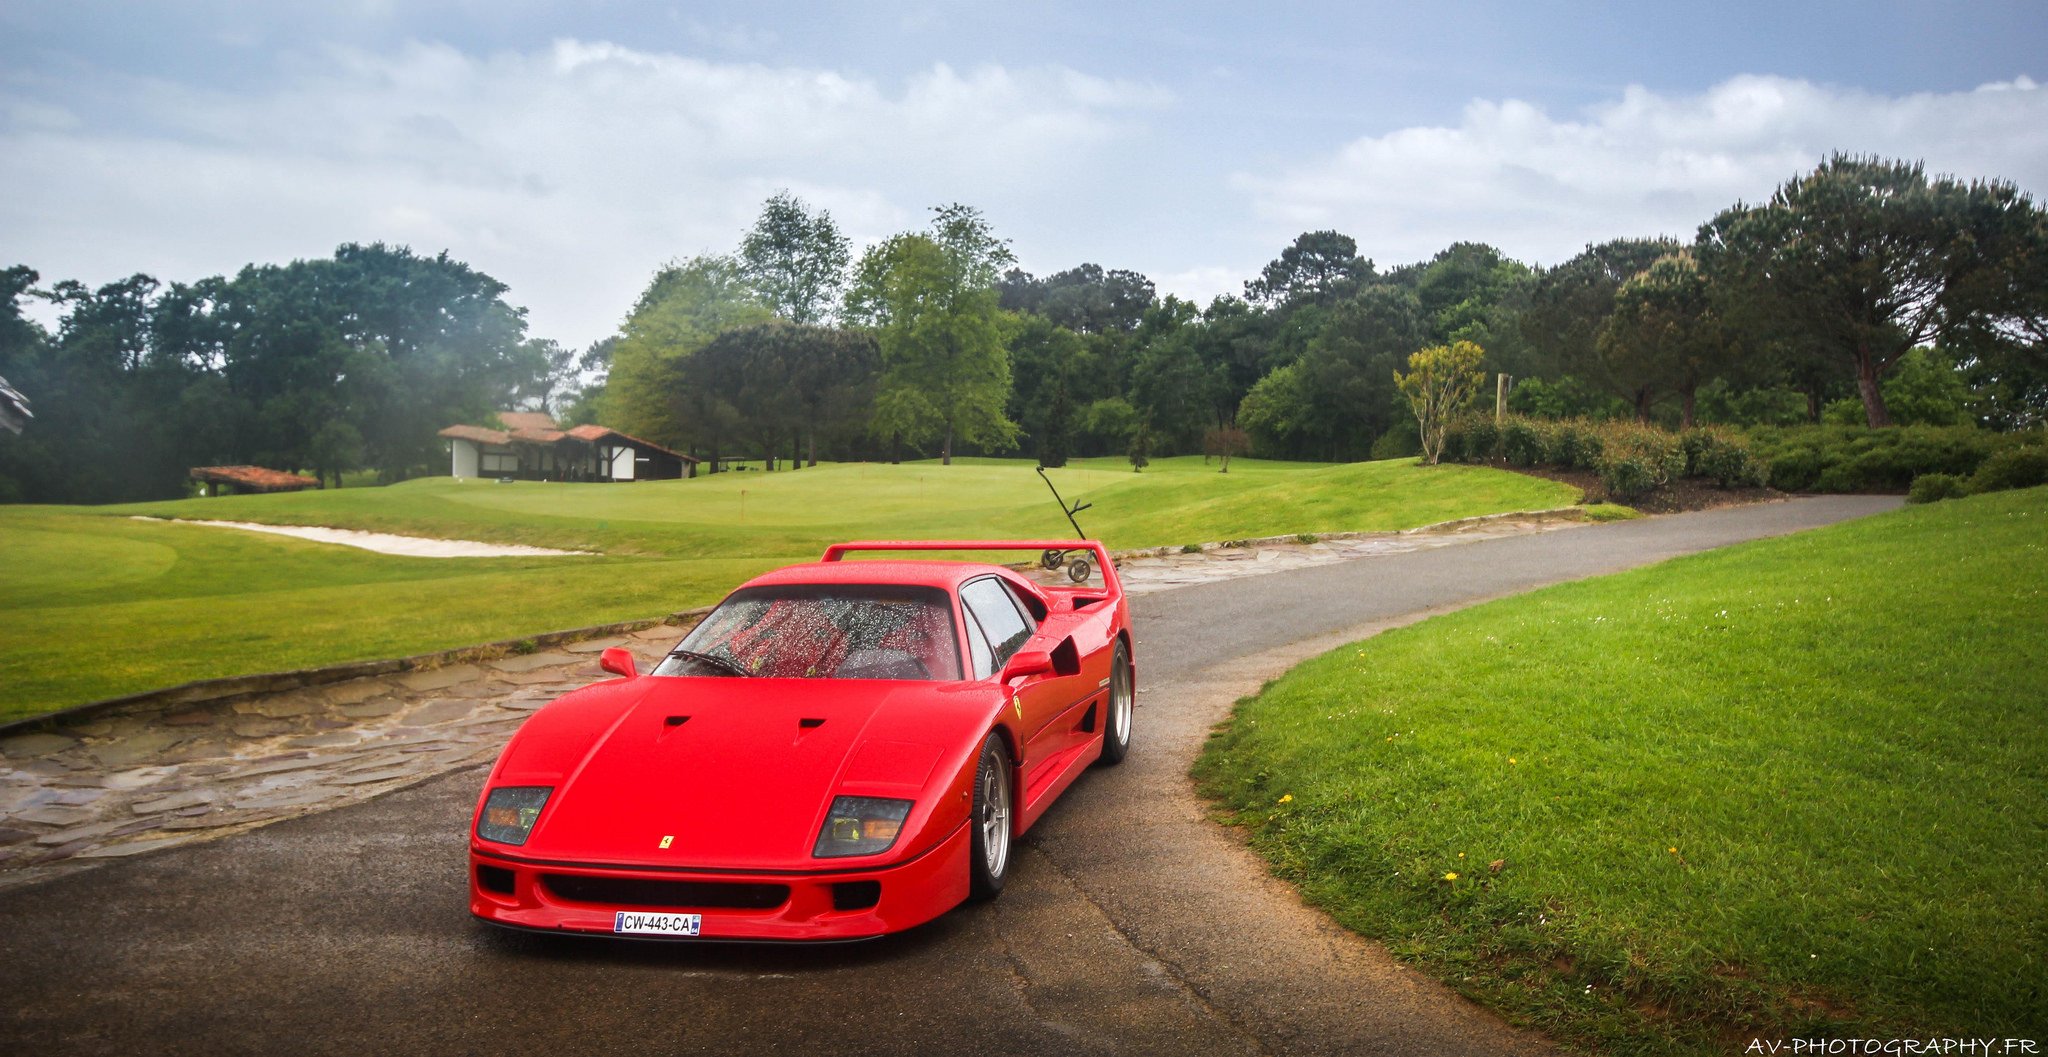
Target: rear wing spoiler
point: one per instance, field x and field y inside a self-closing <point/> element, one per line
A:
<point x="1100" y="553"/>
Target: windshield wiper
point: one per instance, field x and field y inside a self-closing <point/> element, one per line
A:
<point x="725" y="663"/>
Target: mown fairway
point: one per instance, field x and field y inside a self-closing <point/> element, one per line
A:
<point x="100" y="604"/>
<point x="1792" y="789"/>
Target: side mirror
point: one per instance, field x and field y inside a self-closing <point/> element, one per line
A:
<point x="1027" y="663"/>
<point x="619" y="661"/>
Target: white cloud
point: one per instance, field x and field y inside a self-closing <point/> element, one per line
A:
<point x="1201" y="284"/>
<point x="1542" y="188"/>
<point x="570" y="173"/>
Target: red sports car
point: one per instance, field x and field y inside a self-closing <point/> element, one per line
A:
<point x="840" y="750"/>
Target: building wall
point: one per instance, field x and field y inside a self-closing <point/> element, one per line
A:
<point x="464" y="455"/>
<point x="622" y="464"/>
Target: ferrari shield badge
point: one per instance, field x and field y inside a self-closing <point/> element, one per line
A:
<point x="666" y="841"/>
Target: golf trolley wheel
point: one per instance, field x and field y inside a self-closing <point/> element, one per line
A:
<point x="1078" y="570"/>
<point x="1050" y="559"/>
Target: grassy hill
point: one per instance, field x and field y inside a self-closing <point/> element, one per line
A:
<point x="101" y="604"/>
<point x="1792" y="789"/>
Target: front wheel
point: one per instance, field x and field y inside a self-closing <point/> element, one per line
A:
<point x="1116" y="733"/>
<point x="988" y="860"/>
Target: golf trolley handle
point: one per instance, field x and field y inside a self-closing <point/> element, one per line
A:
<point x="839" y="551"/>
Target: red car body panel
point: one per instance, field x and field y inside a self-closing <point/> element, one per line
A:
<point x="707" y="794"/>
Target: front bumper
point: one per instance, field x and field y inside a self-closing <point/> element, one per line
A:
<point x="584" y="898"/>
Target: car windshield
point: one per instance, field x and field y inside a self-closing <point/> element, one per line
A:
<point x="827" y="631"/>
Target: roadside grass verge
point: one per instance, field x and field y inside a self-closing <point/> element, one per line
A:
<point x="99" y="604"/>
<point x="1788" y="790"/>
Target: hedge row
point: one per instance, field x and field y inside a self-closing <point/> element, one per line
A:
<point x="1632" y="460"/>
<point x="2014" y="466"/>
<point x="1858" y="459"/>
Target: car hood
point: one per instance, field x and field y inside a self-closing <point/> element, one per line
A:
<point x="726" y="773"/>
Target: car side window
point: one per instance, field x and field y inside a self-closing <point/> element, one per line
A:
<point x="979" y="656"/>
<point x="989" y="603"/>
<point x="1023" y="607"/>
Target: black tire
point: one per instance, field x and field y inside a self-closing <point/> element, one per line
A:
<point x="1123" y="702"/>
<point x="989" y="825"/>
<point x="1078" y="570"/>
<point x="1050" y="559"/>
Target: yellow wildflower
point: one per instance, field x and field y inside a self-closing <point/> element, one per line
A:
<point x="1452" y="876"/>
<point x="1285" y="797"/>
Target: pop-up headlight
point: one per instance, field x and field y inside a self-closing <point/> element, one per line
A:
<point x="861" y="825"/>
<point x="510" y="811"/>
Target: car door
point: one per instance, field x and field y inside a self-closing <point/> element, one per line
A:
<point x="1005" y="626"/>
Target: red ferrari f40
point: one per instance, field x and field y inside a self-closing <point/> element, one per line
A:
<point x="841" y="749"/>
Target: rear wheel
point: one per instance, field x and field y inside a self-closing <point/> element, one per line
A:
<point x="989" y="826"/>
<point x="1116" y="732"/>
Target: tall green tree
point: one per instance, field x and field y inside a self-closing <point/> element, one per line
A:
<point x="796" y="259"/>
<point x="1569" y="305"/>
<point x="1869" y="258"/>
<point x="931" y="298"/>
<point x="1664" y="332"/>
<point x="1319" y="266"/>
<point x="684" y="307"/>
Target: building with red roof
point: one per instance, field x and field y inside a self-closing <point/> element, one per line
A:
<point x="250" y="479"/>
<point x="530" y="446"/>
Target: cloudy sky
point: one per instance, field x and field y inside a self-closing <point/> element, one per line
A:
<point x="570" y="149"/>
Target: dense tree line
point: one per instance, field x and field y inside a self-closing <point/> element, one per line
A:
<point x="329" y="366"/>
<point x="1862" y="291"/>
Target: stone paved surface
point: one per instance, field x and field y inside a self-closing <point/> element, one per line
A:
<point x="125" y="783"/>
<point x="121" y="784"/>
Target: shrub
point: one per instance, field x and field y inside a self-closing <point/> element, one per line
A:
<point x="1573" y="445"/>
<point x="2015" y="467"/>
<point x="1732" y="466"/>
<point x="1722" y="458"/>
<point x="1520" y="442"/>
<point x="1454" y="440"/>
<point x="1401" y="442"/>
<point x="1635" y="460"/>
<point x="1934" y="487"/>
<point x="1856" y="459"/>
<point x="1482" y="439"/>
<point x="1695" y="443"/>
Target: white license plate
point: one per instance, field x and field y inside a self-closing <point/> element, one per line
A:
<point x="657" y="924"/>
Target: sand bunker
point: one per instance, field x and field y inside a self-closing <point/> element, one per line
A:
<point x="386" y="543"/>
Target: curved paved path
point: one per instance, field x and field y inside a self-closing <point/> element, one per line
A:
<point x="1131" y="925"/>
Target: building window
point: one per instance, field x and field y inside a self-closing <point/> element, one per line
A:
<point x="498" y="462"/>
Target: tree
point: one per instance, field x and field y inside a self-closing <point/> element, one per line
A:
<point x="945" y="364"/>
<point x="1440" y="380"/>
<point x="1225" y="442"/>
<point x="1868" y="258"/>
<point x="1346" y="373"/>
<point x="1141" y="447"/>
<point x="1046" y="361"/>
<point x="1569" y="305"/>
<point x="795" y="259"/>
<point x="1319" y="266"/>
<point x="684" y="307"/>
<point x="1664" y="332"/>
<point x="1276" y="410"/>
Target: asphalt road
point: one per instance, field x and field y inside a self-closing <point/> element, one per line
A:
<point x="1131" y="925"/>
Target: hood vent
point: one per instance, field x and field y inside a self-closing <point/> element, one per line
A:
<point x="675" y="721"/>
<point x="809" y="724"/>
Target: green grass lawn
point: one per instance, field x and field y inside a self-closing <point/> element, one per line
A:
<point x="100" y="604"/>
<point x="1792" y="789"/>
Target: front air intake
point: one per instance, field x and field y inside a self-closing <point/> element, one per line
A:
<point x="637" y="892"/>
